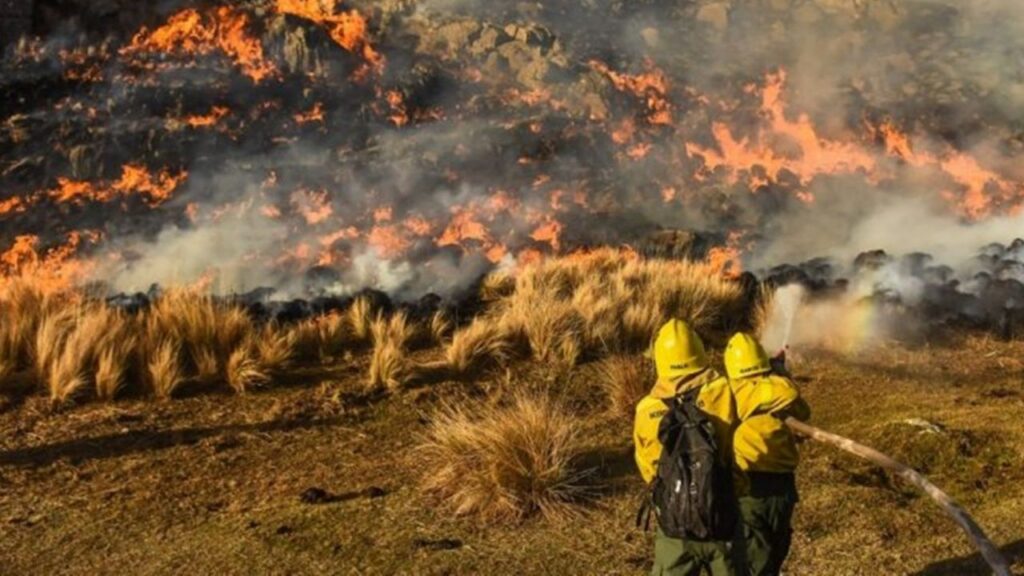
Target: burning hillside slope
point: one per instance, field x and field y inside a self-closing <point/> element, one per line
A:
<point x="315" y="146"/>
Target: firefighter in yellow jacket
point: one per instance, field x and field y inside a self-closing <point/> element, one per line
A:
<point x="765" y="452"/>
<point x="682" y="366"/>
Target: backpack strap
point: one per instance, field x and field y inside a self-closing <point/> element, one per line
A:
<point x="643" y="513"/>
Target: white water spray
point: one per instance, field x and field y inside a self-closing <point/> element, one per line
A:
<point x="786" y="303"/>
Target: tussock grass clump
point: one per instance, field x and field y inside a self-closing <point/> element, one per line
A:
<point x="397" y="329"/>
<point x="761" y="313"/>
<point x="112" y="365"/>
<point x="209" y="331"/>
<point x="25" y="303"/>
<point x="389" y="368"/>
<point x="274" y="349"/>
<point x="625" y="379"/>
<point x="360" y="318"/>
<point x="505" y="463"/>
<point x="497" y="285"/>
<point x="89" y="344"/>
<point x="244" y="370"/>
<point x="440" y="327"/>
<point x="389" y="365"/>
<point x="485" y="341"/>
<point x="320" y="338"/>
<point x="612" y="301"/>
<point x="164" y="369"/>
<point x="553" y="328"/>
<point x="50" y="336"/>
<point x="73" y="344"/>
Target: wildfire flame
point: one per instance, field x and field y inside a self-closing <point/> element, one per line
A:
<point x="190" y="33"/>
<point x="814" y="155"/>
<point x="52" y="270"/>
<point x="135" y="179"/>
<point x="348" y="28"/>
<point x="206" y="120"/>
<point x="650" y="86"/>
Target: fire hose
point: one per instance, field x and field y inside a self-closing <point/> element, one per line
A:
<point x="988" y="550"/>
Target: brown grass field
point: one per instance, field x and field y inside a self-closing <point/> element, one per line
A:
<point x="190" y="438"/>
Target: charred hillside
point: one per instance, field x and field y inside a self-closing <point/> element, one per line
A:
<point x="318" y="147"/>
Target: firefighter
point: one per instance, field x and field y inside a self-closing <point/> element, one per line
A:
<point x="682" y="366"/>
<point x="765" y="452"/>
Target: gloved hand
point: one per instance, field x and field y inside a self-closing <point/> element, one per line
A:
<point x="778" y="363"/>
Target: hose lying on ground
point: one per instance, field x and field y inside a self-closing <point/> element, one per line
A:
<point x="988" y="550"/>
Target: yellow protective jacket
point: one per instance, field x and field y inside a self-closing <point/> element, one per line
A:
<point x="762" y="443"/>
<point x="714" y="399"/>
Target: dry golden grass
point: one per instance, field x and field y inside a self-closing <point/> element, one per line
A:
<point x="559" y="311"/>
<point x="360" y="318"/>
<point x="274" y="349"/>
<point x="640" y="321"/>
<point x="625" y="379"/>
<point x="75" y="343"/>
<point x="24" y="304"/>
<point x="396" y="329"/>
<point x="762" y="310"/>
<point x="389" y="366"/>
<point x="52" y="333"/>
<point x="332" y="335"/>
<point x="497" y="285"/>
<point x="553" y="328"/>
<point x="318" y="339"/>
<point x="6" y="371"/>
<point x="244" y="370"/>
<point x="440" y="327"/>
<point x="112" y="364"/>
<point x="611" y="302"/>
<point x="485" y="341"/>
<point x="79" y="339"/>
<point x="66" y="376"/>
<point x="207" y="364"/>
<point x="304" y="340"/>
<point x="504" y="463"/>
<point x="208" y="330"/>
<point x="164" y="370"/>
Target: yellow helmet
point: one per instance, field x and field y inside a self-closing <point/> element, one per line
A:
<point x="744" y="356"/>
<point x="678" y="351"/>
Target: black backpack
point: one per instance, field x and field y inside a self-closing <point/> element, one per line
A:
<point x="692" y="493"/>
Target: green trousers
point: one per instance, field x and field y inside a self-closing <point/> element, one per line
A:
<point x="674" y="557"/>
<point x="767" y="527"/>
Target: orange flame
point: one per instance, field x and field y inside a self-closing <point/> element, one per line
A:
<point x="981" y="186"/>
<point x="549" y="232"/>
<point x="315" y="207"/>
<point x="399" y="116"/>
<point x="56" y="269"/>
<point x="418" y="226"/>
<point x="727" y="260"/>
<point x="314" y="114"/>
<point x="388" y="240"/>
<point x="135" y="179"/>
<point x="651" y="87"/>
<point x="348" y="29"/>
<point x="209" y="119"/>
<point x="815" y="155"/>
<point x="463" y="226"/>
<point x="189" y="33"/>
<point x="14" y="204"/>
<point x="383" y="214"/>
